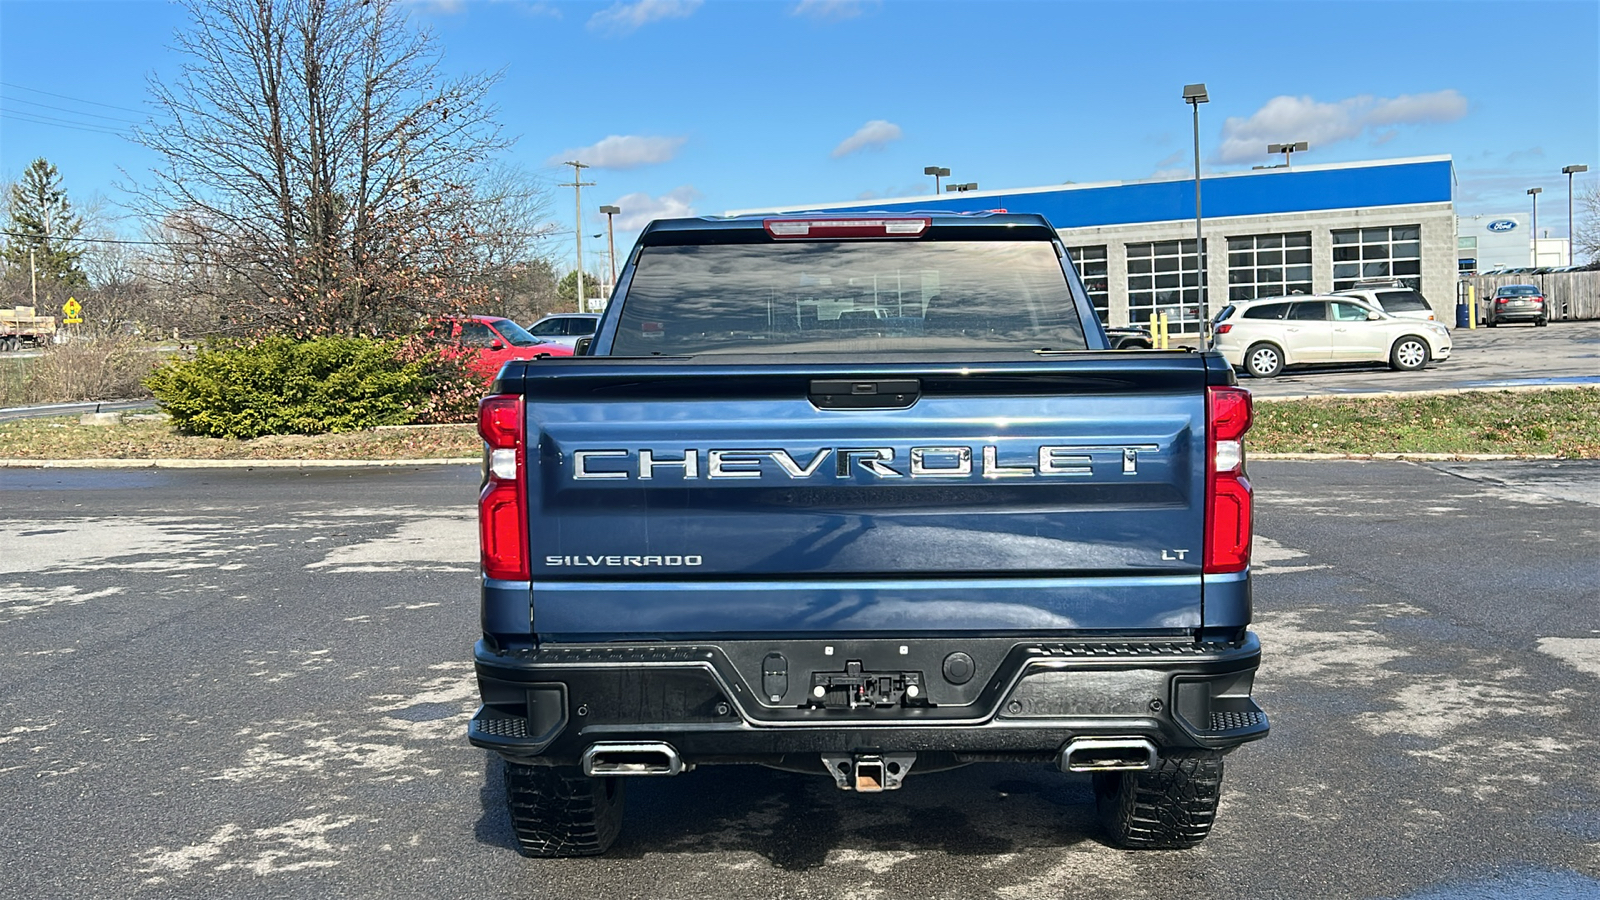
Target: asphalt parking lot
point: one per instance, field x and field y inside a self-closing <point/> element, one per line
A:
<point x="255" y="684"/>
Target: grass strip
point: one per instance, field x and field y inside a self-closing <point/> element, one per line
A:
<point x="1562" y="422"/>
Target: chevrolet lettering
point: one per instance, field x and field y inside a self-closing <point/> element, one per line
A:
<point x="882" y="462"/>
<point x="863" y="497"/>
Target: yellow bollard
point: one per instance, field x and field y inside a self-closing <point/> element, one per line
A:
<point x="1472" y="307"/>
<point x="1155" y="332"/>
<point x="1164" y="334"/>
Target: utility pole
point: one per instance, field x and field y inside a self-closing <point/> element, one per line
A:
<point x="33" y="277"/>
<point x="611" y="243"/>
<point x="577" y="185"/>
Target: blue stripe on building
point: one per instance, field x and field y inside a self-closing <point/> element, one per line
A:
<point x="1235" y="195"/>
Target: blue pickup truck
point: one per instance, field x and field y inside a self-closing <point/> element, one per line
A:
<point x="863" y="497"/>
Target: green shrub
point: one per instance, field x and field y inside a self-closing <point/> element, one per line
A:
<point x="280" y="385"/>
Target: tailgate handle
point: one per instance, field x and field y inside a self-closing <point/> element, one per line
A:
<point x="864" y="393"/>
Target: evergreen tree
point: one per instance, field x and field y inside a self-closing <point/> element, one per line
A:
<point x="40" y="218"/>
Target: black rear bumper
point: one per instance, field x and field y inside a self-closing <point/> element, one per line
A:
<point x="752" y="701"/>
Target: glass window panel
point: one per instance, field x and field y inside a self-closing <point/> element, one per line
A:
<point x="1299" y="239"/>
<point x="1300" y="287"/>
<point x="1166" y="264"/>
<point x="1241" y="259"/>
<point x="1190" y="279"/>
<point x="1467" y="243"/>
<point x="1245" y="292"/>
<point x="1408" y="267"/>
<point x="1407" y="232"/>
<point x="1269" y="258"/>
<point x="1347" y="236"/>
<point x="1139" y="266"/>
<point x="1270" y="275"/>
<point x="1167" y="281"/>
<point x="1311" y="311"/>
<point x="1297" y="256"/>
<point x="1374" y="235"/>
<point x="1347" y="270"/>
<point x="1241" y="276"/>
<point x="1140" y="282"/>
<point x="1241" y="243"/>
<point x="1409" y="249"/>
<point x="1375" y="251"/>
<point x="1297" y="273"/>
<point x="1347" y="252"/>
<point x="1374" y="269"/>
<point x="1272" y="241"/>
<point x="1138" y="250"/>
<point x="1188" y="248"/>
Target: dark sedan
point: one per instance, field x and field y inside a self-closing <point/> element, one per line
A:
<point x="1518" y="303"/>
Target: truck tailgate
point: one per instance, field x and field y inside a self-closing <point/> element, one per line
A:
<point x="1049" y="494"/>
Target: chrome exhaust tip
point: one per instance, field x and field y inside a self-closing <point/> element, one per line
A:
<point x="609" y="758"/>
<point x="1108" y="755"/>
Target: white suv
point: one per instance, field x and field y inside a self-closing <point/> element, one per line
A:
<point x="1263" y="335"/>
<point x="1398" y="300"/>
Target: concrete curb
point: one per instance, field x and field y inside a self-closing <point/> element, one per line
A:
<point x="229" y="463"/>
<point x="1432" y="392"/>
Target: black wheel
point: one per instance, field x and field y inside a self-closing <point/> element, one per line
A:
<point x="1489" y="321"/>
<point x="1263" y="360"/>
<point x="1541" y="322"/>
<point x="1408" y="354"/>
<point x="557" y="811"/>
<point x="1168" y="808"/>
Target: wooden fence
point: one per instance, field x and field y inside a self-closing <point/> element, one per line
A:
<point x="1570" y="295"/>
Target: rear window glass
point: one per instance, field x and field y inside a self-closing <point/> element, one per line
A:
<point x="848" y="297"/>
<point x="1266" y="311"/>
<point x="1518" y="290"/>
<point x="1403" y="301"/>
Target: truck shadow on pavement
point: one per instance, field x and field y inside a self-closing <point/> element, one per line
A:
<point x="794" y="821"/>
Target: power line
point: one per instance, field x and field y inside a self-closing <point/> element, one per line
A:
<point x="17" y="234"/>
<point x="75" y="112"/>
<point x="73" y="99"/>
<point x="58" y="123"/>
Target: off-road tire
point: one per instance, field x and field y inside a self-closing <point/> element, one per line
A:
<point x="1170" y="807"/>
<point x="1409" y="354"/>
<point x="560" y="812"/>
<point x="1260" y="366"/>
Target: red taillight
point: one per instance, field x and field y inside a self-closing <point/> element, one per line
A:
<point x="1501" y="299"/>
<point x="845" y="228"/>
<point x="1228" y="496"/>
<point x="1224" y="329"/>
<point x="503" y="502"/>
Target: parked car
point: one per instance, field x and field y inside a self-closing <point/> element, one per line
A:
<point x="565" y="328"/>
<point x="1128" y="337"/>
<point x="492" y="341"/>
<point x="1264" y="335"/>
<point x="1395" y="298"/>
<point x="1517" y="303"/>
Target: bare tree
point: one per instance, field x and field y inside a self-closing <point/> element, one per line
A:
<point x="1586" y="240"/>
<point x="326" y="173"/>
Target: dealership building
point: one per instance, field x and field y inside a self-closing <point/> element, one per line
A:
<point x="1268" y="232"/>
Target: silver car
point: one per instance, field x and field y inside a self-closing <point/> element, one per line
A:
<point x="565" y="328"/>
<point x="1264" y="335"/>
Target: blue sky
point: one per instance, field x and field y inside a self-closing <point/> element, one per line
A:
<point x="688" y="106"/>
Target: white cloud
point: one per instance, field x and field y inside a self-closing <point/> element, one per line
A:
<point x="639" y="209"/>
<point x="1285" y="118"/>
<point x="834" y="10"/>
<point x="623" y="151"/>
<point x="625" y="18"/>
<point x="873" y="135"/>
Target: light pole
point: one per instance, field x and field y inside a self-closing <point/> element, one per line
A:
<point x="1194" y="95"/>
<point x="937" y="172"/>
<point x="1288" y="150"/>
<point x="611" y="242"/>
<point x="1534" y="193"/>
<point x="1572" y="237"/>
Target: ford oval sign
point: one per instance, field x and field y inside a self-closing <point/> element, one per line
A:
<point x="1499" y="226"/>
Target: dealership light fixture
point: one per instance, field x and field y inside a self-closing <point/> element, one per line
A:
<point x="937" y="172"/>
<point x="1572" y="237"/>
<point x="1534" y="193"/>
<point x="1194" y="95"/>
<point x="1288" y="150"/>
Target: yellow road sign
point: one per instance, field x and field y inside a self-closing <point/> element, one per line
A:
<point x="71" y="309"/>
